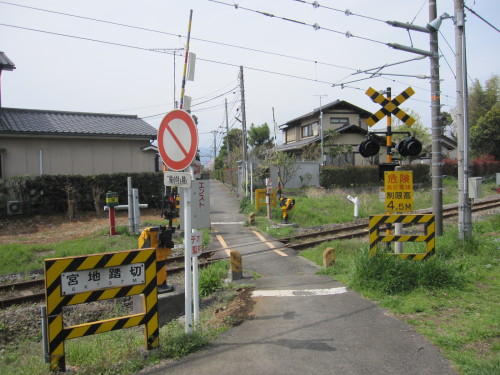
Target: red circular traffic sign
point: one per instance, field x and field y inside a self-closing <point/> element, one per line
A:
<point x="177" y="139"/>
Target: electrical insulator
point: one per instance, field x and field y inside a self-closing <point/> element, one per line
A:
<point x="369" y="147"/>
<point x="410" y="146"/>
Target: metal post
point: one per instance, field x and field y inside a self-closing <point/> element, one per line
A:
<point x="136" y="210"/>
<point x="196" y="293"/>
<point x="187" y="260"/>
<point x="112" y="221"/>
<point x="464" y="209"/>
<point x="436" y="156"/>
<point x="130" y="206"/>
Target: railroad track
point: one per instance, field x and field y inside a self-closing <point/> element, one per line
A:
<point x="33" y="291"/>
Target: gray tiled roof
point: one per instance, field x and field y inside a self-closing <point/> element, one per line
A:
<point x="39" y="122"/>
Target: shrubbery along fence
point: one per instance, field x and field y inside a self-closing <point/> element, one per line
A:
<point x="63" y="193"/>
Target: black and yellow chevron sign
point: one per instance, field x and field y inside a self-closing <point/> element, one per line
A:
<point x="83" y="279"/>
<point x="390" y="107"/>
<point x="428" y="237"/>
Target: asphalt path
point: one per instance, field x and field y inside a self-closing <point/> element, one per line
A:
<point x="303" y="323"/>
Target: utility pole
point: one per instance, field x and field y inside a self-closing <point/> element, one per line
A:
<point x="436" y="120"/>
<point x="227" y="129"/>
<point x="321" y="128"/>
<point x="436" y="130"/>
<point x="464" y="203"/>
<point x="214" y="132"/>
<point x="244" y="128"/>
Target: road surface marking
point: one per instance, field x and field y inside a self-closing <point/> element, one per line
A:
<point x="224" y="244"/>
<point x="299" y="292"/>
<point x="261" y="237"/>
<point x="228" y="223"/>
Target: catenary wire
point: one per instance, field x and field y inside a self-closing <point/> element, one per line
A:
<point x="347" y="12"/>
<point x="315" y="26"/>
<point x="179" y="35"/>
<point x="481" y="18"/>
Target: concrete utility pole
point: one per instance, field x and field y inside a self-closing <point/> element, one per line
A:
<point x="321" y="128"/>
<point x="464" y="203"/>
<point x="215" y="144"/>
<point x="227" y="129"/>
<point x="436" y="130"/>
<point x="244" y="128"/>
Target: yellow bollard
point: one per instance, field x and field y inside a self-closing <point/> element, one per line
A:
<point x="329" y="257"/>
<point x="236" y="265"/>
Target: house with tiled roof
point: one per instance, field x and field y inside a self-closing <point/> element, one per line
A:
<point x="36" y="142"/>
<point x="346" y="119"/>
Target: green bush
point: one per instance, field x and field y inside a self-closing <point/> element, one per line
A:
<point x="389" y="274"/>
<point x="49" y="193"/>
<point x="210" y="278"/>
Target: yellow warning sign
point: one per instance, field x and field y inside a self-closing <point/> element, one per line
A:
<point x="390" y="106"/>
<point x="398" y="187"/>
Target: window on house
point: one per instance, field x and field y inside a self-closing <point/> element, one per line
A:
<point x="339" y="120"/>
<point x="290" y="135"/>
<point x="307" y="131"/>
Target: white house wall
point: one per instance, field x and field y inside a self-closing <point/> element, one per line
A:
<point x="26" y="156"/>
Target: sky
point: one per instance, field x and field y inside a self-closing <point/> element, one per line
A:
<point x="127" y="57"/>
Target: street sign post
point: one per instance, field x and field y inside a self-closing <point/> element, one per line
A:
<point x="177" y="140"/>
<point x="178" y="143"/>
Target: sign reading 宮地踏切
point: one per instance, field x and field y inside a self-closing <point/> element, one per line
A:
<point x="398" y="186"/>
<point x="179" y="179"/>
<point x="99" y="278"/>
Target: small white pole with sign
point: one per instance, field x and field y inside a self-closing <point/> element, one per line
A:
<point x="177" y="144"/>
<point x="196" y="248"/>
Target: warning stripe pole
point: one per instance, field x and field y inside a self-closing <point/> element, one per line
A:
<point x="186" y="59"/>
<point x="389" y="149"/>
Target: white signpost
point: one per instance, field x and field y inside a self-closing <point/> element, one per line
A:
<point x="178" y="143"/>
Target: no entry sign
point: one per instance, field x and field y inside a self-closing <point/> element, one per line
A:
<point x="177" y="140"/>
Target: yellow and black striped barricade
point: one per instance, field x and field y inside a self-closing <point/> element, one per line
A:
<point x="82" y="279"/>
<point x="260" y="198"/>
<point x="428" y="237"/>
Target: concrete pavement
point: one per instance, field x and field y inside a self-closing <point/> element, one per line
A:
<point x="303" y="323"/>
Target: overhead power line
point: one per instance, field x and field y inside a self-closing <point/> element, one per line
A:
<point x="178" y="35"/>
<point x="163" y="52"/>
<point x="481" y="18"/>
<point x="347" y="12"/>
<point x="315" y="26"/>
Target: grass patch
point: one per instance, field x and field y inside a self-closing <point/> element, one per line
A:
<point x="211" y="278"/>
<point x="452" y="299"/>
<point x="23" y="258"/>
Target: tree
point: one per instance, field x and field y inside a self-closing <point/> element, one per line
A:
<point x="228" y="160"/>
<point x="286" y="163"/>
<point x="485" y="136"/>
<point x="417" y="130"/>
<point x="259" y="140"/>
<point x="483" y="117"/>
<point x="335" y="150"/>
<point x="259" y="136"/>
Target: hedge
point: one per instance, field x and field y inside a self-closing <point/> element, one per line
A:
<point x="332" y="177"/>
<point x="51" y="193"/>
